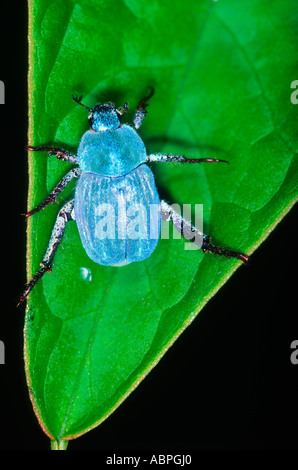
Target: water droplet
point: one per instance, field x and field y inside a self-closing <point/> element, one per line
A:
<point x="86" y="274"/>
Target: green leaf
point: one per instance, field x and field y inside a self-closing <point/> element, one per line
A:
<point x="222" y="86"/>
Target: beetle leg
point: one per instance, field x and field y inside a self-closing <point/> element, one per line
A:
<point x="141" y="110"/>
<point x="163" y="157"/>
<point x="193" y="234"/>
<point x="74" y="173"/>
<point x="60" y="154"/>
<point x="64" y="215"/>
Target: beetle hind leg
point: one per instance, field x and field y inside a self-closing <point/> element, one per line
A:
<point x="218" y="250"/>
<point x="193" y="234"/>
<point x="64" y="215"/>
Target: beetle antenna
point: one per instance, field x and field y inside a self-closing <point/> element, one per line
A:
<point x="79" y="101"/>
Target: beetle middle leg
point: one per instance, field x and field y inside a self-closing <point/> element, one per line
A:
<point x="65" y="214"/>
<point x="168" y="157"/>
<point x="73" y="173"/>
<point x="141" y="110"/>
<point x="193" y="234"/>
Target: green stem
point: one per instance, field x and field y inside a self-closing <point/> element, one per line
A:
<point x="59" y="444"/>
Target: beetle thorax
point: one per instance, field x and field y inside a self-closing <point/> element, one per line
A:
<point x="111" y="153"/>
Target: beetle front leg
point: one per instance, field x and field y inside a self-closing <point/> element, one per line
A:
<point x="74" y="173"/>
<point x="141" y="110"/>
<point x="59" y="153"/>
<point x="64" y="215"/>
<point x="163" y="157"/>
<point x="193" y="234"/>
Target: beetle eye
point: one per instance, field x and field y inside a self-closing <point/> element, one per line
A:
<point x="90" y="118"/>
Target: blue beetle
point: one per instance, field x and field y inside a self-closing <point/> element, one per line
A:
<point x="113" y="177"/>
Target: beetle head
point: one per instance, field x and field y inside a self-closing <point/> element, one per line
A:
<point x="103" y="117"/>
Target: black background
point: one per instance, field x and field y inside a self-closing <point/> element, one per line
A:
<point x="227" y="383"/>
